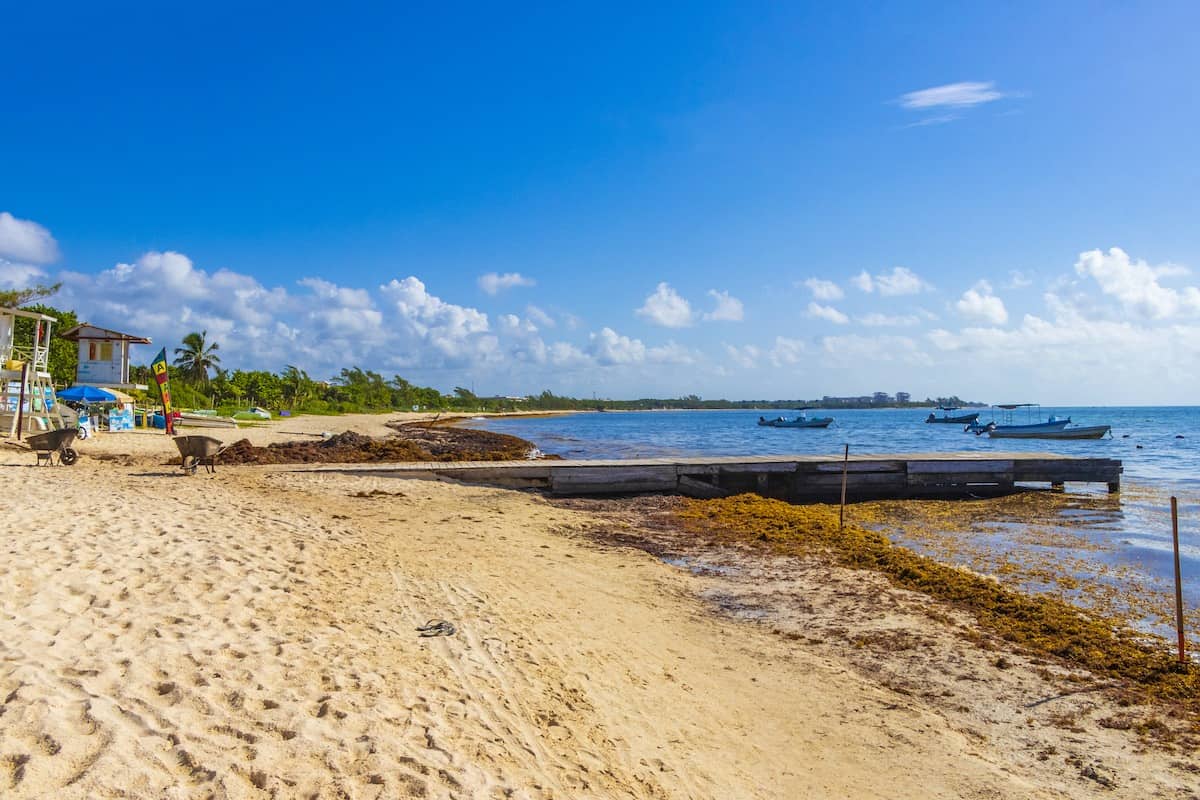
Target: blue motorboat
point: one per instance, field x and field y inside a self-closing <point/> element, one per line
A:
<point x="1052" y="428"/>
<point x="800" y="421"/>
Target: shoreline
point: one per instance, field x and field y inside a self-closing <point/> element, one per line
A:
<point x="252" y="632"/>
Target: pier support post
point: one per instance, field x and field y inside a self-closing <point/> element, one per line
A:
<point x="1114" y="487"/>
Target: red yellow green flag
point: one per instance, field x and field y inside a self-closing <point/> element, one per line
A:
<point x="159" y="367"/>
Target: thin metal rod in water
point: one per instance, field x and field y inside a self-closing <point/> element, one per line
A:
<point x="1178" y="580"/>
<point x="845" y="469"/>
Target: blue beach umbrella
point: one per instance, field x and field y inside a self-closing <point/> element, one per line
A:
<point x="86" y="394"/>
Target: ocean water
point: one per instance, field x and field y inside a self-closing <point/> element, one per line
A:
<point x="1159" y="447"/>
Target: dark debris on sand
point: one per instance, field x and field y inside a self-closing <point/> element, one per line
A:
<point x="410" y="443"/>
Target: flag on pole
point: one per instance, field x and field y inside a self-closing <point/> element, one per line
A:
<point x="159" y="367"/>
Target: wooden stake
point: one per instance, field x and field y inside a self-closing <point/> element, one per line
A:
<point x="845" y="470"/>
<point x="1178" y="580"/>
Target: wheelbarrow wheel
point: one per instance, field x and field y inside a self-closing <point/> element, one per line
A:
<point x="190" y="463"/>
<point x="68" y="456"/>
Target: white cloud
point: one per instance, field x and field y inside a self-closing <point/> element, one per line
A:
<point x="787" y="352"/>
<point x="853" y="349"/>
<point x="610" y="348"/>
<point x="827" y="313"/>
<point x="493" y="283"/>
<point x="1018" y="279"/>
<point x="978" y="302"/>
<point x="876" y="320"/>
<point x="864" y="281"/>
<point x="952" y="95"/>
<point x="19" y="276"/>
<point x="456" y="333"/>
<point x="672" y="353"/>
<point x="726" y="308"/>
<point x="746" y="356"/>
<point x="539" y="316"/>
<point x="666" y="308"/>
<point x="900" y="281"/>
<point x="23" y="240"/>
<point x="825" y="290"/>
<point x="1135" y="284"/>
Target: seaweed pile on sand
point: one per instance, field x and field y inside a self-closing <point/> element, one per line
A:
<point x="410" y="443"/>
<point x="1140" y="666"/>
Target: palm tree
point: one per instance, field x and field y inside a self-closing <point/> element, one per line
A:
<point x="297" y="386"/>
<point x="197" y="356"/>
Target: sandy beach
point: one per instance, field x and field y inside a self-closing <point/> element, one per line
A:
<point x="252" y="633"/>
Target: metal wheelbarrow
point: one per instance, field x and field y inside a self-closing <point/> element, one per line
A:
<point x="55" y="443"/>
<point x="197" y="450"/>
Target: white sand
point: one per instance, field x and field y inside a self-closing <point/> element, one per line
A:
<point x="251" y="634"/>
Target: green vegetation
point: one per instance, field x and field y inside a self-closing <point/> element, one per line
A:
<point x="197" y="357"/>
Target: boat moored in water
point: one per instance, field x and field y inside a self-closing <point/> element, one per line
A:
<point x="955" y="419"/>
<point x="1053" y="428"/>
<point x="1065" y="432"/>
<point x="801" y="421"/>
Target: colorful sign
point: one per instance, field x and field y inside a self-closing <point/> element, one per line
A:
<point x="159" y="367"/>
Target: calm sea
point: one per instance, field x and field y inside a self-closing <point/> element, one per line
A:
<point x="1160" y="448"/>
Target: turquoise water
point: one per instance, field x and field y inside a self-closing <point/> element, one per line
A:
<point x="1133" y="530"/>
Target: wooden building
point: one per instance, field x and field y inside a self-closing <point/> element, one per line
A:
<point x="103" y="355"/>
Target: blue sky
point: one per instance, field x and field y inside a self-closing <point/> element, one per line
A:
<point x="739" y="200"/>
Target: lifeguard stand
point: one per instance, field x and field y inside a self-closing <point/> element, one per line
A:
<point x="26" y="390"/>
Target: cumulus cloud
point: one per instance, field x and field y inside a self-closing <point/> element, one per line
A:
<point x="978" y="302"/>
<point x="900" y="281"/>
<point x="493" y="283"/>
<point x="829" y="313"/>
<point x="825" y="290"/>
<point x="726" y="308"/>
<point x="666" y="308"/>
<point x="610" y="348"/>
<point x="23" y="240"/>
<point x="1135" y="284"/>
<point x="952" y="95"/>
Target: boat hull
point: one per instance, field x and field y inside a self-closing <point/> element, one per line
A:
<point x="962" y="419"/>
<point x="202" y="421"/>
<point x="820" y="422"/>
<point x="1082" y="432"/>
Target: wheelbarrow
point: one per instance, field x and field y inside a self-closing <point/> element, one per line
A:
<point x="54" y="443"/>
<point x="197" y="450"/>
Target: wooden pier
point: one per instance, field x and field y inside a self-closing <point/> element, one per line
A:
<point x="796" y="478"/>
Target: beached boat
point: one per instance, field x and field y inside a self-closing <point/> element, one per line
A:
<point x="801" y="421"/>
<point x="947" y="417"/>
<point x="192" y="419"/>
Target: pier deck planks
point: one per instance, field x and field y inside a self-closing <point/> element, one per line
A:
<point x="883" y="476"/>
